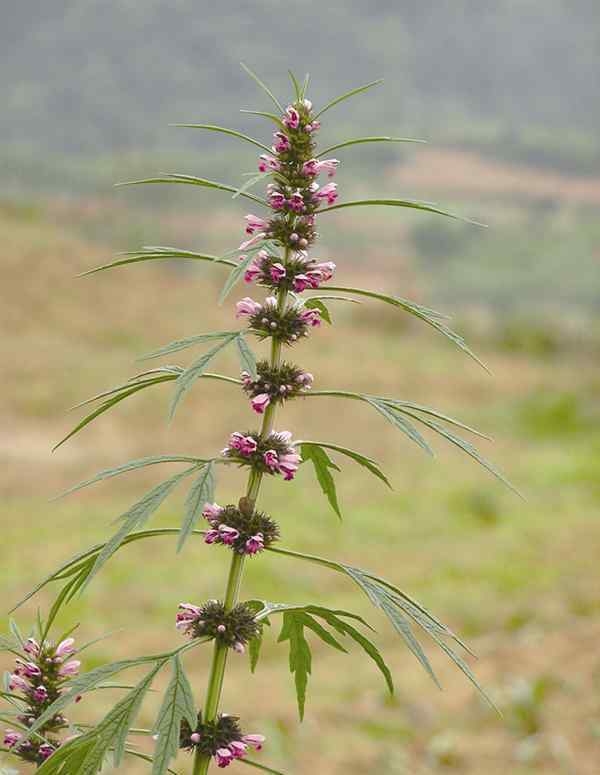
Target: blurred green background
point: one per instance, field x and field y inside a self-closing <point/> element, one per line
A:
<point x="506" y="95"/>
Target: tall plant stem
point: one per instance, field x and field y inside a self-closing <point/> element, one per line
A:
<point x="236" y="569"/>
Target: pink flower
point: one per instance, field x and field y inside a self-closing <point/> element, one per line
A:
<point x="211" y="537"/>
<point x="256" y="741"/>
<point x="312" y="317"/>
<point x="277" y="272"/>
<point x="247" y="306"/>
<point x="252" y="272"/>
<point x="254" y="223"/>
<point x="187" y="615"/>
<point x="301" y="283"/>
<point x="236" y="440"/>
<point x="310" y="168"/>
<point x="327" y="269"/>
<point x="328" y="192"/>
<point x="238" y="749"/>
<point x="32" y="647"/>
<point x="276" y="200"/>
<point x="70" y="668"/>
<point x="328" y="166"/>
<point x="212" y="511"/>
<point x="254" y="544"/>
<point x="282" y="143"/>
<point x="246" y="378"/>
<point x="11" y="738"/>
<point x="223" y="757"/>
<point x="28" y="669"/>
<point x="315" y="277"/>
<point x="228" y="534"/>
<point x="267" y="163"/>
<point x="248" y="445"/>
<point x="292" y="118"/>
<point x="288" y="465"/>
<point x="65" y="648"/>
<point x="40" y="694"/>
<point x="306" y="379"/>
<point x="284" y="436"/>
<point x="15" y="682"/>
<point x="45" y="751"/>
<point x="239" y="648"/>
<point x="296" y="202"/>
<point x="260" y="402"/>
<point x="195" y="737"/>
<point x="271" y="459"/>
<point x="252" y="241"/>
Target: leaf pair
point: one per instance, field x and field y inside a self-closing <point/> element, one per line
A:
<point x="315" y="452"/>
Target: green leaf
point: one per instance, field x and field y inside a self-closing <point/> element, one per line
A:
<point x="193" y="180"/>
<point x="169" y="371"/>
<point x="192" y="373"/>
<point x="156" y="254"/>
<point x="360" y="140"/>
<point x="235" y="276"/>
<point x="201" y="492"/>
<point x="190" y="341"/>
<point x="258" y="766"/>
<point x="347" y="95"/>
<point x="225" y="131"/>
<point x="401" y="405"/>
<point x="366" y="462"/>
<point x="132" y="465"/>
<point x="136" y="517"/>
<point x="124" y="393"/>
<point x="178" y="704"/>
<point x="410" y="203"/>
<point x="305" y="85"/>
<point x="146" y="758"/>
<point x="322" y="463"/>
<point x="401" y="423"/>
<point x="296" y="85"/>
<point x="314" y="303"/>
<point x="276" y="119"/>
<point x="247" y="357"/>
<point x="431" y="317"/>
<point x="252" y="181"/>
<point x="263" y="86"/>
<point x="300" y="660"/>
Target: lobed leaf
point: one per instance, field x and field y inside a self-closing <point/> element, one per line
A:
<point x="183" y="344"/>
<point x="178" y="704"/>
<point x="235" y="276"/>
<point x="247" y="357"/>
<point x="322" y="463"/>
<point x="366" y="462"/>
<point x="202" y="491"/>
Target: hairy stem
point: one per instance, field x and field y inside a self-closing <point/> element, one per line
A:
<point x="219" y="660"/>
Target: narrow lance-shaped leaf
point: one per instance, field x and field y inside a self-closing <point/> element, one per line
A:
<point x="192" y="180"/>
<point x="192" y="373"/>
<point x="300" y="659"/>
<point x="202" y="491"/>
<point x="258" y="766"/>
<point x="410" y="203"/>
<point x="136" y="517"/>
<point x="225" y="131"/>
<point x="235" y="276"/>
<point x="366" y="462"/>
<point x="247" y="358"/>
<point x="347" y="95"/>
<point x="183" y="344"/>
<point x="362" y="140"/>
<point x="322" y="463"/>
<point x="263" y="86"/>
<point x="156" y="254"/>
<point x="178" y="704"/>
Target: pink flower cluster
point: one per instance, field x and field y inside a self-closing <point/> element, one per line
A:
<point x="273" y="455"/>
<point x="300" y="273"/>
<point x="237" y="749"/>
<point x="259" y="402"/>
<point x="224" y="534"/>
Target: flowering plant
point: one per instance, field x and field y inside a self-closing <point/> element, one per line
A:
<point x="276" y="255"/>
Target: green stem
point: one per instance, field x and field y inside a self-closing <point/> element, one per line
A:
<point x="219" y="660"/>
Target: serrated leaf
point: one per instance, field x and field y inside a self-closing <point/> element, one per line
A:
<point x="401" y="423"/>
<point x="412" y="204"/>
<point x="178" y="704"/>
<point x="347" y="95"/>
<point x="361" y="140"/>
<point x="132" y="465"/>
<point x="247" y="358"/>
<point x="225" y="131"/>
<point x="192" y="373"/>
<point x="300" y="659"/>
<point x="136" y="517"/>
<point x="263" y="86"/>
<point x="202" y="491"/>
<point x="183" y="344"/>
<point x="322" y="463"/>
<point x="235" y="276"/>
<point x="366" y="462"/>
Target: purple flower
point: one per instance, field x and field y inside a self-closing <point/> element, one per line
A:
<point x="211" y="537"/>
<point x="65" y="648"/>
<point x="195" y="737"/>
<point x="310" y="168"/>
<point x="276" y="200"/>
<point x="296" y="202"/>
<point x="254" y="544"/>
<point x="256" y="741"/>
<point x="239" y="647"/>
<point x="238" y="749"/>
<point x="187" y="616"/>
<point x="271" y="459"/>
<point x="328" y="166"/>
<point x="312" y="317"/>
<point x="248" y="446"/>
<point x="327" y="269"/>
<point x="228" y="534"/>
<point x="281" y="142"/>
<point x="40" y="694"/>
<point x="70" y="668"/>
<point x="268" y="163"/>
<point x="15" y="682"/>
<point x="260" y="402"/>
<point x="306" y="379"/>
<point x="277" y="272"/>
<point x="301" y="283"/>
<point x="236" y="440"/>
<point x="45" y="751"/>
<point x="292" y="118"/>
<point x="254" y="223"/>
<point x="32" y="647"/>
<point x="212" y="511"/>
<point x="246" y="378"/>
<point x="288" y="465"/>
<point x="223" y="757"/>
<point x="328" y="192"/>
<point x="247" y="306"/>
<point x="11" y="738"/>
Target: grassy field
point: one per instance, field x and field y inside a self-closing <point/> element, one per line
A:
<point x="518" y="579"/>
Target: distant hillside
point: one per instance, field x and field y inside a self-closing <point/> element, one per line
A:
<point x="97" y="76"/>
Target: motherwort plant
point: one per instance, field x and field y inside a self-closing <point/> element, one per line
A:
<point x="276" y="255"/>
